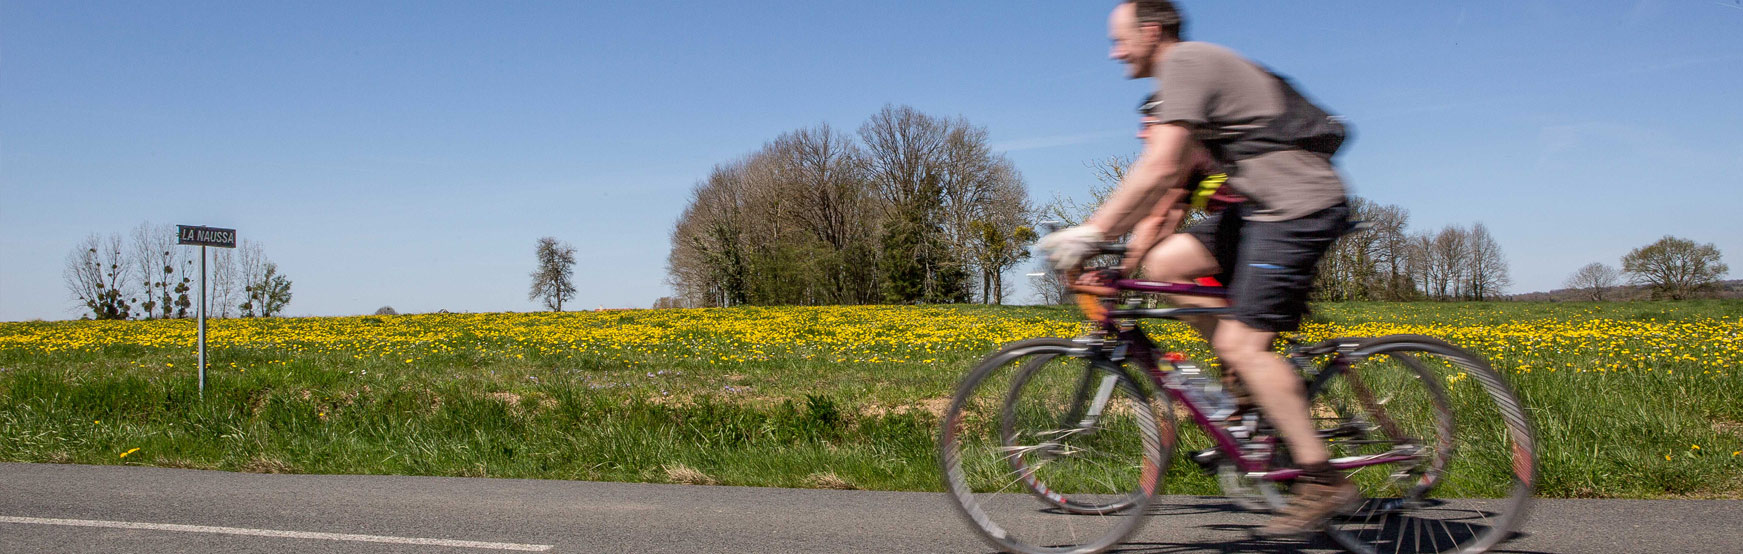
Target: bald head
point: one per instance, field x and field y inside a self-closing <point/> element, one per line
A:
<point x="1140" y="31"/>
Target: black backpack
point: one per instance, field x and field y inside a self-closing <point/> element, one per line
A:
<point x="1302" y="125"/>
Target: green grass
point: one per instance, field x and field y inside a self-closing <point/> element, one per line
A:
<point x="1614" y="389"/>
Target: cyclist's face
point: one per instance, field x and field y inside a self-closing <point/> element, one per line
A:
<point x="1131" y="45"/>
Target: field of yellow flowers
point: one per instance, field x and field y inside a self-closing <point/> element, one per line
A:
<point x="1630" y="400"/>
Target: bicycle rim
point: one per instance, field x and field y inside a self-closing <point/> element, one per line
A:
<point x="1469" y="477"/>
<point x="1033" y="468"/>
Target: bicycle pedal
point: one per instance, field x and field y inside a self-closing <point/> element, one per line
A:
<point x="1208" y="460"/>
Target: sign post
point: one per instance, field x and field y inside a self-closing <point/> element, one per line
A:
<point x="203" y="237"/>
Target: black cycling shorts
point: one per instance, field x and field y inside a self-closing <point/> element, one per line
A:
<point x="1268" y="266"/>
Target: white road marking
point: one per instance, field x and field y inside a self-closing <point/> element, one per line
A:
<point x="275" y="533"/>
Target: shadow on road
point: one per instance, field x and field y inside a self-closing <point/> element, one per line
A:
<point x="1430" y="529"/>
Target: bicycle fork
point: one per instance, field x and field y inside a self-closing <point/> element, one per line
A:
<point x="1083" y="415"/>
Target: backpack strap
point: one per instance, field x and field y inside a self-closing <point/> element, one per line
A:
<point x="1301" y="126"/>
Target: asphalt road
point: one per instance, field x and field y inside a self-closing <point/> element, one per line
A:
<point x="69" y="508"/>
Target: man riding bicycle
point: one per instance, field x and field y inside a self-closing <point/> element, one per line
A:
<point x="1264" y="250"/>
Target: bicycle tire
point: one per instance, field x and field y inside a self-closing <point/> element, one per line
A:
<point x="1001" y="448"/>
<point x="1402" y="394"/>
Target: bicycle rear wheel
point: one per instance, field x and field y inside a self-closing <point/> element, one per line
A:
<point x="1050" y="420"/>
<point x="1468" y="470"/>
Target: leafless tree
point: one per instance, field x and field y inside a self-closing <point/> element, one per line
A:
<point x="1349" y="270"/>
<point x="1487" y="274"/>
<point x="1048" y="289"/>
<point x="1675" y="268"/>
<point x="820" y="190"/>
<point x="226" y="283"/>
<point x="163" y="270"/>
<point x="554" y="277"/>
<point x="96" y="275"/>
<point x="999" y="239"/>
<point x="1448" y="259"/>
<point x="1595" y="279"/>
<point x="1066" y="211"/>
<point x="248" y="263"/>
<point x="709" y="258"/>
<point x="1419" y="261"/>
<point x="1387" y="223"/>
<point x="916" y="162"/>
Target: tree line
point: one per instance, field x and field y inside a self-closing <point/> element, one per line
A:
<point x="1386" y="260"/>
<point x="1670" y="269"/>
<point x="915" y="208"/>
<point x="911" y="208"/>
<point x="145" y="275"/>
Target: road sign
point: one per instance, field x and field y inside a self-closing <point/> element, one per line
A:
<point x="202" y="236"/>
<point x="205" y="236"/>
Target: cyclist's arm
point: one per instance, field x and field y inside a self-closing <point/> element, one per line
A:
<point x="1161" y="167"/>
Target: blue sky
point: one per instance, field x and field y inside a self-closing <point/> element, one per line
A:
<point x="409" y="154"/>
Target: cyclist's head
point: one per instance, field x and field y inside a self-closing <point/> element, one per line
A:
<point x="1149" y="115"/>
<point x="1138" y="28"/>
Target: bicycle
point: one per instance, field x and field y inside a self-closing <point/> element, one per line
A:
<point x="1087" y="427"/>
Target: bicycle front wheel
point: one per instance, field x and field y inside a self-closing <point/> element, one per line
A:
<point x="1051" y="420"/>
<point x="1464" y="468"/>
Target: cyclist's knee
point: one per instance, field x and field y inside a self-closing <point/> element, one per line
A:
<point x="1239" y="345"/>
<point x="1180" y="258"/>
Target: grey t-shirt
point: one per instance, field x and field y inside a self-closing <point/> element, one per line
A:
<point x="1221" y="95"/>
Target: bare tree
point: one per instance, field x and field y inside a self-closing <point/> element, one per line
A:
<point x="821" y="191"/>
<point x="914" y="160"/>
<point x="1675" y="268"/>
<point x="1596" y="279"/>
<point x="708" y="263"/>
<point x="153" y="264"/>
<point x="1387" y="223"/>
<point x="999" y="239"/>
<point x="1349" y="270"/>
<point x="1448" y="258"/>
<point x="1067" y="211"/>
<point x="221" y="297"/>
<point x="1486" y="269"/>
<point x="163" y="271"/>
<point x="554" y="279"/>
<point x="1419" y="261"/>
<point x="96" y="274"/>
<point x="1048" y="289"/>
<point x="248" y="263"/>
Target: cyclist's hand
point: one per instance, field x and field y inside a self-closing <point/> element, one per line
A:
<point x="1093" y="279"/>
<point x="1066" y="249"/>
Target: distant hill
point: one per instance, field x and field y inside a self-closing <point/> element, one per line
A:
<point x="1725" y="289"/>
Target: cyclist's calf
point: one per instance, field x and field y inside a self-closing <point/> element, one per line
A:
<point x="1275" y="386"/>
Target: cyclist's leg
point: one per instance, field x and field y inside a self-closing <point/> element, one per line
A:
<point x="1275" y="387"/>
<point x="1195" y="253"/>
<point x="1273" y="275"/>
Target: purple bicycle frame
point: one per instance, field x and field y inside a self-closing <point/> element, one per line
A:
<point x="1144" y="351"/>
